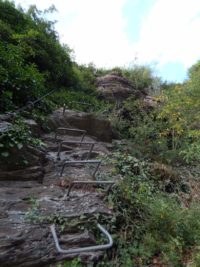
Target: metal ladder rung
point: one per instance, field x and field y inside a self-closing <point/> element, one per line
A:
<point x="70" y="130"/>
<point x="110" y="183"/>
<point x="84" y="162"/>
<point x="84" y="249"/>
<point x="92" y="144"/>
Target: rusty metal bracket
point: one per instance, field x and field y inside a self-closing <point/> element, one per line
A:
<point x="72" y="184"/>
<point x="83" y="249"/>
<point x="92" y="144"/>
<point x="84" y="162"/>
<point x="70" y="130"/>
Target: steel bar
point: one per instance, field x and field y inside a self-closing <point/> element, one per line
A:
<point x="97" y="162"/>
<point x="64" y="108"/>
<point x="110" y="183"/>
<point x="70" y="130"/>
<point x="84" y="249"/>
<point x="76" y="142"/>
<point x="32" y="103"/>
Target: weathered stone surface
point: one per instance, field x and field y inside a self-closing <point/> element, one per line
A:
<point x="114" y="87"/>
<point x="5" y="126"/>
<point x="7" y="116"/>
<point x="26" y="245"/>
<point x="34" y="127"/>
<point x="26" y="208"/>
<point x="25" y="236"/>
<point x="149" y="102"/>
<point x="32" y="155"/>
<point x="99" y="128"/>
<point x="31" y="173"/>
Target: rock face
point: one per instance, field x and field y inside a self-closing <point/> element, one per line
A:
<point x="15" y="170"/>
<point x="28" y="208"/>
<point x="149" y="102"/>
<point x="5" y="126"/>
<point x="25" y="163"/>
<point x="101" y="129"/>
<point x="115" y="88"/>
<point x="34" y="127"/>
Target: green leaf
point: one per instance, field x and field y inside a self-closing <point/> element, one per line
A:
<point x="5" y="154"/>
<point x="19" y="146"/>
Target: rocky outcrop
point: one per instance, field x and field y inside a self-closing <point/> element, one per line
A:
<point x="149" y="103"/>
<point x="28" y="208"/>
<point x="5" y="126"/>
<point x="25" y="236"/>
<point x="23" y="162"/>
<point x="99" y="128"/>
<point x="115" y="88"/>
<point x="34" y="127"/>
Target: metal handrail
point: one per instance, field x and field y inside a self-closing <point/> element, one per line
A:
<point x="98" y="162"/>
<point x="71" y="130"/>
<point x="32" y="103"/>
<point x="84" y="249"/>
<point x="92" y="144"/>
<point x="110" y="183"/>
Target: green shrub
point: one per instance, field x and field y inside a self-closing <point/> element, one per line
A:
<point x="149" y="223"/>
<point x="15" y="138"/>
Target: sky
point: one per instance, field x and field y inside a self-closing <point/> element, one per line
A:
<point x="163" y="34"/>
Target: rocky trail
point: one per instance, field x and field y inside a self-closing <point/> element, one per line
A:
<point x="66" y="198"/>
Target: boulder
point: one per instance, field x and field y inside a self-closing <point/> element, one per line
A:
<point x="5" y="126"/>
<point x="26" y="174"/>
<point x="115" y="88"/>
<point x="25" y="236"/>
<point x="99" y="128"/>
<point x="34" y="127"/>
<point x="149" y="102"/>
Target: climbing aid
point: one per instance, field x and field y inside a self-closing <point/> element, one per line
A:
<point x="66" y="163"/>
<point x="63" y="129"/>
<point x="82" y="249"/>
<point x="72" y="184"/>
<point x="92" y="144"/>
<point x="83" y="162"/>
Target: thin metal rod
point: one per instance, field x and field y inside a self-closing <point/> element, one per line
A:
<point x="90" y="151"/>
<point x="32" y="103"/>
<point x="83" y="136"/>
<point x="84" y="249"/>
<point x="64" y="108"/>
<point x="76" y="142"/>
<point x="84" y="162"/>
<point x="70" y="130"/>
<point x="110" y="183"/>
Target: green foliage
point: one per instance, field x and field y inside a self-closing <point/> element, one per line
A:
<point x="19" y="81"/>
<point x="85" y="78"/>
<point x="142" y="78"/>
<point x="170" y="132"/>
<point x="150" y="224"/>
<point x="73" y="263"/>
<point x="32" y="214"/>
<point x="72" y="100"/>
<point x="15" y="138"/>
<point x="32" y="60"/>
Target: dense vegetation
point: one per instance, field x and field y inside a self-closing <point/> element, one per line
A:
<point x="32" y="60"/>
<point x="157" y="219"/>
